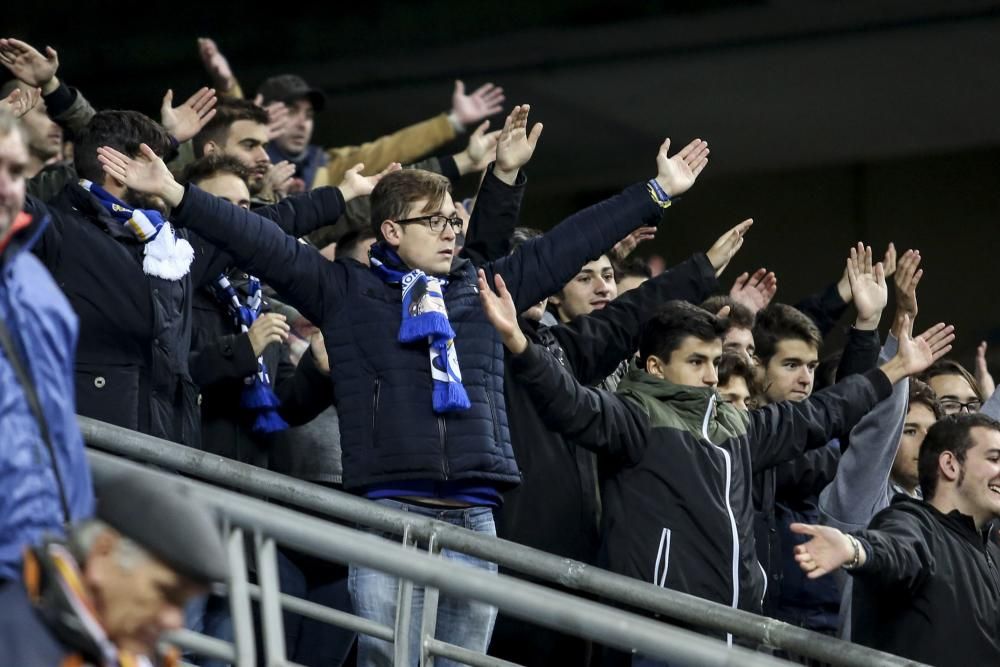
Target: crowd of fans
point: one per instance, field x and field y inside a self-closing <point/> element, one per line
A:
<point x="217" y="280"/>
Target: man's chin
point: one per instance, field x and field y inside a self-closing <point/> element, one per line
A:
<point x="145" y="201"/>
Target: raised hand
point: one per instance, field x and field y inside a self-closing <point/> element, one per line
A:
<point x="724" y="249"/>
<point x="906" y="280"/>
<point x="983" y="376"/>
<point x="677" y="174"/>
<point x="278" y="180"/>
<point x="515" y="145"/>
<point x="27" y="64"/>
<point x="939" y="338"/>
<point x="913" y="356"/>
<point x="756" y="291"/>
<point x="828" y="549"/>
<point x="267" y="329"/>
<point x="355" y="185"/>
<point x="483" y="103"/>
<point x="481" y="150"/>
<point x="868" y="287"/>
<point x="627" y="245"/>
<point x="20" y="102"/>
<point x="501" y="312"/>
<point x="146" y="173"/>
<point x="216" y="64"/>
<point x="184" y="121"/>
<point x="889" y="261"/>
<point x="277" y="117"/>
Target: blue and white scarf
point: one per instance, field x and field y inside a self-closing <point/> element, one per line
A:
<point x="258" y="397"/>
<point x="425" y="317"/>
<point x="164" y="256"/>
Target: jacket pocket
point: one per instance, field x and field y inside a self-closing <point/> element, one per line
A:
<point x="662" y="559"/>
<point x="108" y="393"/>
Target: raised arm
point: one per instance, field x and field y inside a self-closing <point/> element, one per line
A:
<point x="542" y="266"/>
<point x="298" y="272"/>
<point x="892" y="554"/>
<point x="781" y="431"/>
<point x="596" y="343"/>
<point x="592" y="418"/>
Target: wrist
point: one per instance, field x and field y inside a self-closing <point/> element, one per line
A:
<point x="173" y="194"/>
<point x="508" y="176"/>
<point x="50" y="86"/>
<point x="456" y="124"/>
<point x="517" y="343"/>
<point x="867" y="323"/>
<point x="665" y="186"/>
<point x="894" y="369"/>
<point x="464" y="162"/>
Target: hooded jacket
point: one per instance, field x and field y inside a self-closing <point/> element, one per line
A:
<point x="929" y="589"/>
<point x="677" y="504"/>
<point x="44" y="327"/>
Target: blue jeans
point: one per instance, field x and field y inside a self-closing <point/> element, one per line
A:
<point x="461" y="622"/>
<point x="209" y="615"/>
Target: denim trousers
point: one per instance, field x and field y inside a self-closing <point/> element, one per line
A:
<point x="461" y="622"/>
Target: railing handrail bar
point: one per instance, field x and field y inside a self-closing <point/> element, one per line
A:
<point x="531" y="602"/>
<point x="517" y="557"/>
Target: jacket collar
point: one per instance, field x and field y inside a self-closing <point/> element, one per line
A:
<point x="24" y="232"/>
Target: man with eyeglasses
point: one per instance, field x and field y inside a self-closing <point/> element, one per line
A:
<point x="417" y="368"/>
<point x="956" y="388"/>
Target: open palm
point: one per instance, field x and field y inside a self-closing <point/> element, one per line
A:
<point x="677" y="174"/>
<point x="515" y="145"/>
<point x="146" y="173"/>
<point x="26" y="63"/>
<point x="499" y="306"/>
<point x="825" y="552"/>
<point x="756" y="291"/>
<point x="868" y="285"/>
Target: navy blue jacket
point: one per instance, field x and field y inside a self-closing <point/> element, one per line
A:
<point x="389" y="431"/>
<point x="45" y="328"/>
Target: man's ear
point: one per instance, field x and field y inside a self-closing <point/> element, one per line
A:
<point x="392" y="232"/>
<point x="556" y="299"/>
<point x="949" y="466"/>
<point x="655" y="366"/>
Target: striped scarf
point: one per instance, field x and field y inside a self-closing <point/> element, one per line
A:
<point x="164" y="255"/>
<point x="258" y="397"/>
<point x="425" y="318"/>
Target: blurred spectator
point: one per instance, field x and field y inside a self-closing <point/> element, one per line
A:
<point x="45" y="480"/>
<point x="105" y="595"/>
<point x="956" y="388"/>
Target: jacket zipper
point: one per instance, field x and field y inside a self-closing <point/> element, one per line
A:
<point x="375" y="397"/>
<point x="493" y="414"/>
<point x="729" y="510"/>
<point x="443" y="435"/>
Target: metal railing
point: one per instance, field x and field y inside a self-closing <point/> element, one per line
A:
<point x="518" y="558"/>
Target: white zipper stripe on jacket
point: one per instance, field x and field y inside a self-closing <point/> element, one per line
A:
<point x="729" y="510"/>
<point x="763" y="596"/>
<point x="659" y="557"/>
<point x="666" y="559"/>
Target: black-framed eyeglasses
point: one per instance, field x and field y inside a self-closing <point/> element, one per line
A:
<point x="953" y="407"/>
<point x="435" y="222"/>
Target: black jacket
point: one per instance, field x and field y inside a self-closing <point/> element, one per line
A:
<point x="677" y="510"/>
<point x="135" y="330"/>
<point x="929" y="590"/>
<point x="557" y="506"/>
<point x="389" y="431"/>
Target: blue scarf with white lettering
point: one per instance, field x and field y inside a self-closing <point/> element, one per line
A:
<point x="164" y="255"/>
<point x="258" y="398"/>
<point x="425" y="318"/>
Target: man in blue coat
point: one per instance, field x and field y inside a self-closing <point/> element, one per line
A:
<point x="417" y="367"/>
<point x="45" y="484"/>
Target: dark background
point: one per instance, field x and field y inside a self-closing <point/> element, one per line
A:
<point x="829" y="122"/>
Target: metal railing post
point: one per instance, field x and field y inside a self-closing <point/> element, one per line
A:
<point x="428" y="624"/>
<point x="404" y="612"/>
<point x="239" y="601"/>
<point x="270" y="601"/>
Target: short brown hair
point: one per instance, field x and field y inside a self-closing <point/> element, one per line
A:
<point x="951" y="367"/>
<point x="208" y="166"/>
<point x="952" y="433"/>
<point x="736" y="365"/>
<point x="921" y="392"/>
<point x="780" y="322"/>
<point x="227" y="112"/>
<point x="740" y="317"/>
<point x="392" y="197"/>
